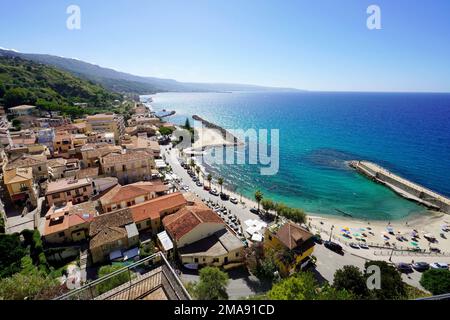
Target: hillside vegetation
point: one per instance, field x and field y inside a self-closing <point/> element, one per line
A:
<point x="26" y="82"/>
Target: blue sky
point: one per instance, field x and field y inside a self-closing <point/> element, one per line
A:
<point x="314" y="45"/>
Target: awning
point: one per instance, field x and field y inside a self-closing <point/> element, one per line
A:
<point x="19" y="196"/>
<point x="165" y="241"/>
<point x="130" y="254"/>
<point x="115" y="255"/>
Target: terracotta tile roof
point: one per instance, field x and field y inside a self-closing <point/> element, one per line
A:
<point x="60" y="219"/>
<point x="17" y="175"/>
<point x="26" y="161"/>
<point x="152" y="209"/>
<point x="130" y="156"/>
<point x="87" y="173"/>
<point x="131" y="191"/>
<point x="107" y="235"/>
<point x="292" y="235"/>
<point x="118" y="218"/>
<point x="185" y="220"/>
<point x="57" y="162"/>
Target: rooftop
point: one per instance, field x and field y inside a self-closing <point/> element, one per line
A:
<point x="131" y="191"/>
<point x="66" y="184"/>
<point x="17" y="175"/>
<point x="186" y="219"/>
<point x="220" y="243"/>
<point x="152" y="209"/>
<point x="292" y="235"/>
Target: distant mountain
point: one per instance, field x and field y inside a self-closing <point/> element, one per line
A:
<point x="128" y="83"/>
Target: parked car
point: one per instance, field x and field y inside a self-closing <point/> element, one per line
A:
<point x="199" y="184"/>
<point x="354" y="245"/>
<point x="205" y="187"/>
<point x="363" y="246"/>
<point x="333" y="246"/>
<point x="404" y="267"/>
<point x="234" y="200"/>
<point x="439" y="265"/>
<point x="214" y="192"/>
<point x="421" y="266"/>
<point x="254" y="210"/>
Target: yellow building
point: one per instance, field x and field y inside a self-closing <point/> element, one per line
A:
<point x="128" y="167"/>
<point x="19" y="183"/>
<point x="106" y="122"/>
<point x="291" y="245"/>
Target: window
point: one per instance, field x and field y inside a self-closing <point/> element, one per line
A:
<point x="196" y="260"/>
<point x="56" y="196"/>
<point x="216" y="260"/>
<point x="68" y="193"/>
<point x="149" y="222"/>
<point x="61" y="234"/>
<point x="138" y="225"/>
<point x="237" y="254"/>
<point x="39" y="168"/>
<point x="84" y="189"/>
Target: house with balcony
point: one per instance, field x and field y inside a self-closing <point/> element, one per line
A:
<point x="202" y="238"/>
<point x="69" y="223"/>
<point x="62" y="144"/>
<point x="112" y="234"/>
<point x="148" y="215"/>
<point x="63" y="191"/>
<point x="106" y="122"/>
<point x="129" y="167"/>
<point x="292" y="243"/>
<point x="19" y="183"/>
<point x="38" y="164"/>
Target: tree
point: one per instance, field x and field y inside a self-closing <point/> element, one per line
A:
<point x="197" y="170"/>
<point x="350" y="278"/>
<point x="25" y="286"/>
<point x="192" y="163"/>
<point x="212" y="285"/>
<point x="436" y="281"/>
<point x="392" y="286"/>
<point x="187" y="124"/>
<point x="11" y="253"/>
<point x="258" y="197"/>
<point x="267" y="204"/>
<point x="166" y="131"/>
<point x="209" y="178"/>
<point x="146" y="250"/>
<point x="303" y="286"/>
<point x="18" y="96"/>
<point x="113" y="282"/>
<point x="220" y="182"/>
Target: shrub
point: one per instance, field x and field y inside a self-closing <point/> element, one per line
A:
<point x="436" y="281"/>
<point x="113" y="282"/>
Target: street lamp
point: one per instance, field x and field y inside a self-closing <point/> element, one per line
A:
<point x="331" y="231"/>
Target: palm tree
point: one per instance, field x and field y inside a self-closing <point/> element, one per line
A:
<point x="192" y="163"/>
<point x="258" y="197"/>
<point x="197" y="170"/>
<point x="220" y="182"/>
<point x="209" y="178"/>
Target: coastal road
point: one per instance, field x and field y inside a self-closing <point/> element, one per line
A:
<point x="242" y="211"/>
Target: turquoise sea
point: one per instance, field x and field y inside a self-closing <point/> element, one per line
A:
<point x="408" y="133"/>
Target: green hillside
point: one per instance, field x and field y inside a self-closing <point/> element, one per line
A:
<point x="26" y="82"/>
